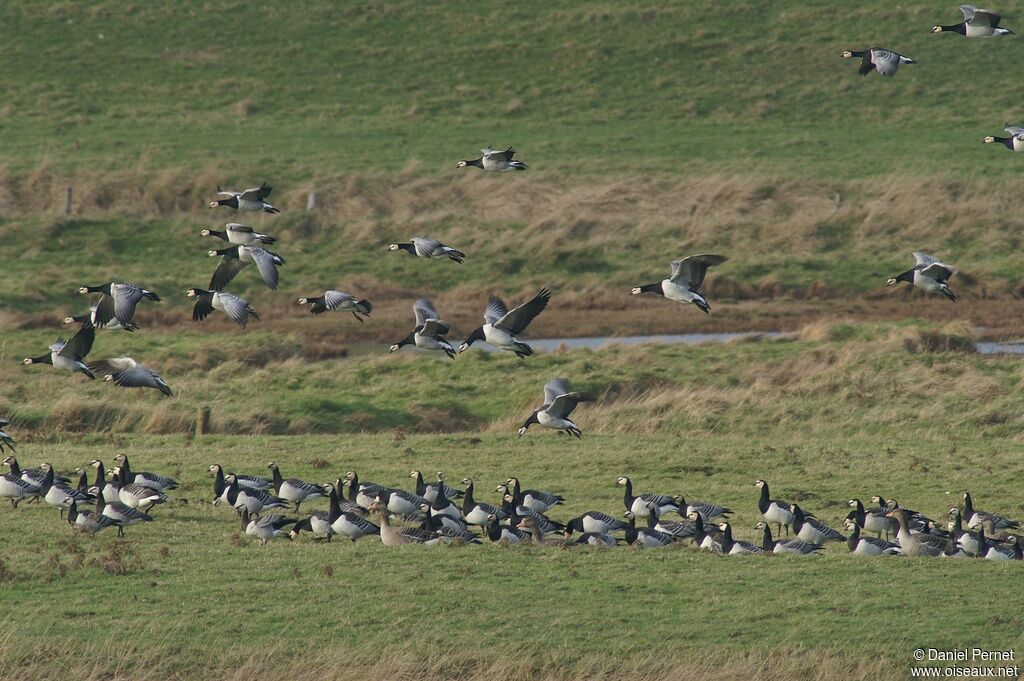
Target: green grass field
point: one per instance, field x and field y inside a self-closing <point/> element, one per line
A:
<point x="652" y="131"/>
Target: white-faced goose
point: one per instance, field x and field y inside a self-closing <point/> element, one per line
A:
<point x="429" y="492"/>
<point x="402" y="503"/>
<point x="117" y="301"/>
<point x="112" y="325"/>
<point x="1015" y="142"/>
<point x="683" y="529"/>
<point x="120" y="513"/>
<point x="1010" y="550"/>
<point x="708" y="511"/>
<point x="648" y="538"/>
<point x="916" y="544"/>
<point x="127" y="373"/>
<point x="736" y="547"/>
<point x="535" y="528"/>
<point x="252" y="500"/>
<point x="448" y="532"/>
<point x="505" y="534"/>
<point x="344" y="519"/>
<point x="442" y="506"/>
<point x="558" y="405"/>
<point x="363" y="493"/>
<point x="391" y="535"/>
<point x="595" y="522"/>
<point x="429" y="332"/>
<point x="249" y="481"/>
<point x="867" y="546"/>
<point x="136" y="494"/>
<point x="706" y="537"/>
<point x="266" y="528"/>
<point x="975" y="516"/>
<point x="775" y="511"/>
<point x="538" y="500"/>
<point x="160" y="482"/>
<point x="237" y="309"/>
<point x="873" y="519"/>
<point x="476" y="512"/>
<point x="320" y="523"/>
<point x="501" y="327"/>
<point x="977" y="23"/>
<point x="33" y="476"/>
<point x="886" y="62"/>
<point x="294" y="490"/>
<point x="104" y="482"/>
<point x="69" y="355"/>
<point x="684" y="281"/>
<point x="234" y="259"/>
<point x="794" y="546"/>
<point x="641" y="505"/>
<point x="86" y="521"/>
<point x="239" y="235"/>
<point x="14" y="489"/>
<point x="338" y="301"/>
<point x="963" y="539"/>
<point x="810" y="529"/>
<point x="5" y="439"/>
<point x="517" y="512"/>
<point x="598" y="539"/>
<point x="927" y="274"/>
<point x="249" y="201"/>
<point x="425" y="247"/>
<point x="494" y="160"/>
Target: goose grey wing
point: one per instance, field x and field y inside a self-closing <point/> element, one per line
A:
<point x="563" y="405"/>
<point x="202" y="308"/>
<point x="516" y="321"/>
<point x="235" y="308"/>
<point x="979" y="17"/>
<point x="499" y="154"/>
<point x="554" y="388"/>
<point x="238" y="228"/>
<point x="434" y="327"/>
<point x="1015" y="131"/>
<point x="424" y="310"/>
<point x="938" y="272"/>
<point x="332" y="299"/>
<point x="265" y="264"/>
<point x="226" y="270"/>
<point x="690" y="271"/>
<point x="256" y="193"/>
<point x="227" y="192"/>
<point x="922" y="260"/>
<point x="104" y="310"/>
<point x="425" y="245"/>
<point x="112" y="365"/>
<point x="140" y="376"/>
<point x="80" y="344"/>
<point x="126" y="296"/>
<point x="495" y="310"/>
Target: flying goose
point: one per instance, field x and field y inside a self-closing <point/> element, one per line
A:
<point x="975" y="516"/>
<point x="915" y="544"/>
<point x="266" y="528"/>
<point x="234" y="259"/>
<point x="112" y="325"/>
<point x="429" y="492"/>
<point x="249" y="201"/>
<point x="5" y="439"/>
<point x="595" y="522"/>
<point x="928" y="274"/>
<point x="538" y="500"/>
<point x="535" y="528"/>
<point x="252" y="500"/>
<point x="886" y="62"/>
<point x="796" y="546"/>
<point x="501" y="327"/>
<point x="238" y="309"/>
<point x="494" y="160"/>
<point x="1015" y="142"/>
<point x="294" y="490"/>
<point x="117" y="301"/>
<point x="390" y="535"/>
<point x="239" y="235"/>
<point x="643" y="504"/>
<point x="684" y="281"/>
<point x="120" y="513"/>
<point x="127" y="373"/>
<point x="810" y="529"/>
<point x="558" y="405"/>
<point x="429" y="332"/>
<point x="69" y="355"/>
<point x="867" y="546"/>
<point x="160" y="482"/>
<point x="873" y="519"/>
<point x="736" y="547"/>
<point x="425" y="247"/>
<point x="977" y="23"/>
<point x="648" y="538"/>
<point x="337" y="300"/>
<point x="476" y="512"/>
<point x="86" y="521"/>
<point x="774" y="510"/>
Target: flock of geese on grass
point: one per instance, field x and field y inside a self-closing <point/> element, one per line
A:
<point x="437" y="513"/>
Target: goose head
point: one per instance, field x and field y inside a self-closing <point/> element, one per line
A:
<point x="462" y="164"/>
<point x="891" y="281"/>
<point x="502" y="488"/>
<point x="214" y="468"/>
<point x="636" y="291"/>
<point x="759" y="483"/>
<point x="467" y="481"/>
<point x="527" y="523"/>
<point x="27" y="361"/>
<point x="989" y="139"/>
<point x="393" y="247"/>
<point x="272" y="465"/>
<point x="395" y="348"/>
<point x="622" y="481"/>
<point x="936" y="29"/>
<point x="761" y="525"/>
<point x="847" y="54"/>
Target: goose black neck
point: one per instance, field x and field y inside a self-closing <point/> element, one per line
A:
<point x="652" y="288"/>
<point x="765" y="501"/>
<point x="467" y="499"/>
<point x="859" y="513"/>
<point x="727" y="540"/>
<point x="628" y="497"/>
<point x="83" y="482"/>
<point x="43" y="359"/>
<point x="219" y="235"/>
<point x="960" y="28"/>
<point x="1005" y="141"/>
<point x="421" y="487"/>
<point x="47" y="481"/>
<point x="698" y="530"/>
<point x="908" y="277"/>
<point x="15" y="467"/>
<point x="73" y="513"/>
<point x="335" y="508"/>
<point x="854" y="538"/>
<point x="101" y="476"/>
<point x="125" y="467"/>
<point x="968" y="505"/>
<point x="478" y="162"/>
<point x="631" y="531"/>
<point x="517" y="492"/>
<point x="798" y="518"/>
<point x="408" y="248"/>
<point x="218" y="482"/>
<point x="278" y="479"/>
<point x="767" y="543"/>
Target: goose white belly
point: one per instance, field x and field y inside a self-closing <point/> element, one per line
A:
<point x="66" y="363"/>
<point x="594" y="526"/>
<point x="498" y="337"/>
<point x="867" y="549"/>
<point x="249" y="206"/>
<point x="431" y="343"/>
<point x="293" y="493"/>
<point x="1018" y="145"/>
<point x="450" y="510"/>
<point x="251" y="504"/>
<point x="477" y="516"/>
<point x="402" y="506"/>
<point x="775" y="514"/>
<point x="809" y="533"/>
<point x="974" y="31"/>
<point x="346" y="528"/>
<point x="10" y="489"/>
<point x="320" y="527"/>
<point x="674" y="291"/>
<point x="710" y="544"/>
<point x="555" y="422"/>
<point x="926" y="283"/>
<point x="874" y="523"/>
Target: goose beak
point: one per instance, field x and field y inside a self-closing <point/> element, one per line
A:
<point x="636" y="291"/>
<point x="213" y="204"/>
<point x="463" y="347"/>
<point x="890" y="282"/>
<point x="936" y="29"/>
<point x="522" y="431"/>
<point x="846" y="54"/>
<point x="394" y="348"/>
<point x="988" y="140"/>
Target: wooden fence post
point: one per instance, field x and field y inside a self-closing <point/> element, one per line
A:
<point x="68" y="201"/>
<point x="203" y="421"/>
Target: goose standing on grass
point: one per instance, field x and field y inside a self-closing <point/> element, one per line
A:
<point x="249" y="201"/>
<point x="250" y="481"/>
<point x="5" y="439"/>
<point x="33" y="476"/>
<point x="641" y="505"/>
<point x="252" y="500"/>
<point x="1015" y="142"/>
<point x="14" y="489"/>
<point x="540" y="501"/>
<point x="502" y="327"/>
<point x="321" y="523"/>
<point x="86" y="521"/>
<point x="975" y="517"/>
<point x="558" y="405"/>
<point x="736" y="547"/>
<point x="112" y="325"/>
<point x="266" y="528"/>
<point x="867" y="546"/>
<point x="429" y="492"/>
<point x="69" y="355"/>
<point x="135" y="494"/>
<point x="476" y="512"/>
<point x="977" y="23"/>
<point x="873" y="519"/>
<point x="928" y="274"/>
<point x="233" y="260"/>
<point x="127" y="373"/>
<point x="237" y="309"/>
<point x="708" y="511"/>
<point x="429" y="332"/>
<point x="55" y="492"/>
<point x="401" y="502"/>
<point x="1010" y="550"/>
<point x="239" y="235"/>
<point x="595" y="522"/>
<point x="425" y="247"/>
<point x="390" y="535"/>
<point x="916" y="544"/>
<point x="684" y="281"/>
<point x="340" y="301"/>
<point x="159" y="482"/>
<point x="118" y="301"/>
<point x="886" y="62"/>
<point x="810" y="529"/>
<point x="294" y="490"/>
<point x="648" y="538"/>
<point x="494" y="160"/>
<point x="122" y="514"/>
<point x="535" y="528"/>
<point x="775" y="511"/>
<point x="794" y="546"/>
